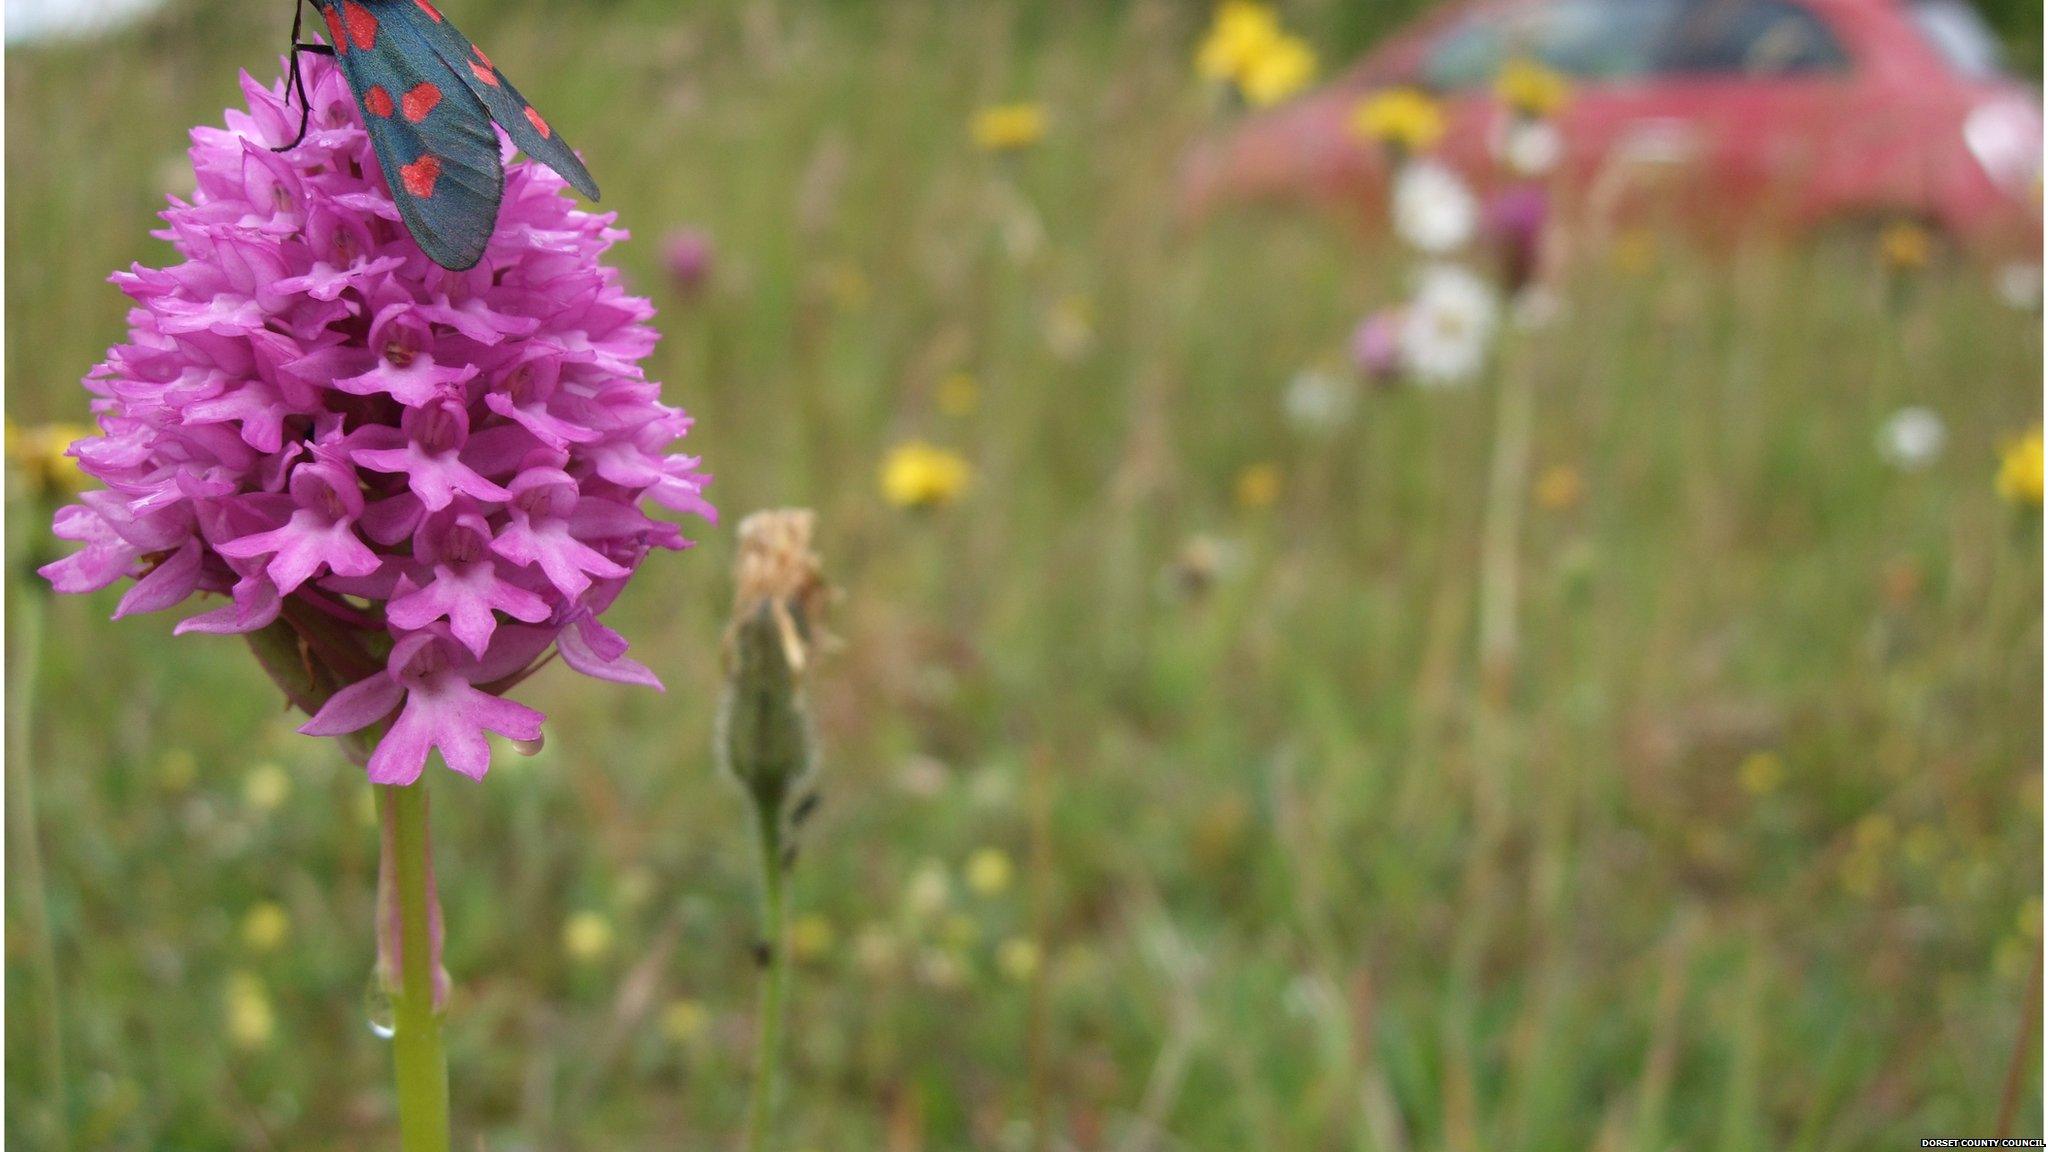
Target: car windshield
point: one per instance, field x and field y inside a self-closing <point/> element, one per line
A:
<point x="1614" y="40"/>
<point x="1750" y="38"/>
<point x="1588" y="39"/>
<point x="1960" y="36"/>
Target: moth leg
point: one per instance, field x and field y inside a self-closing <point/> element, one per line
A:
<point x="298" y="78"/>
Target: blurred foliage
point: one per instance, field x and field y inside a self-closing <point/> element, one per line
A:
<point x="2019" y="25"/>
<point x="1148" y="809"/>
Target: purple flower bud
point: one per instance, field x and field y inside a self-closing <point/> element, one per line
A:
<point x="1517" y="217"/>
<point x="688" y="253"/>
<point x="1376" y="346"/>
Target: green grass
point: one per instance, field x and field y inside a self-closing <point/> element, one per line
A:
<point x="1297" y="882"/>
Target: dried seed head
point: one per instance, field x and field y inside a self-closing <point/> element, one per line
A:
<point x="777" y="568"/>
<point x="764" y="729"/>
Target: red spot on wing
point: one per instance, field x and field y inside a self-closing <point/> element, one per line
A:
<point x="419" y="176"/>
<point x="377" y="100"/>
<point x="336" y="35"/>
<point x="539" y="125"/>
<point x="420" y="100"/>
<point x="482" y="66"/>
<point x="362" y="25"/>
<point x="433" y="13"/>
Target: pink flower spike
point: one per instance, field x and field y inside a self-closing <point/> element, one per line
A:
<point x="314" y="428"/>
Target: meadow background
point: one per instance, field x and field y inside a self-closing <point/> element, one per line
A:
<point x="1165" y="804"/>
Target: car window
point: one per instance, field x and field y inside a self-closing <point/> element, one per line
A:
<point x="1955" y="31"/>
<point x="1628" y="39"/>
<point x="1586" y="39"/>
<point x="1749" y="38"/>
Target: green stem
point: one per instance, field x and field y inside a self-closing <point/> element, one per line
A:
<point x="774" y="975"/>
<point x="28" y="622"/>
<point x="422" y="1066"/>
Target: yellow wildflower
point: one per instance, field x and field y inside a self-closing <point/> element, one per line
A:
<point x="1258" y="486"/>
<point x="2019" y="471"/>
<point x="958" y="395"/>
<point x="1532" y="88"/>
<point x="587" y="936"/>
<point x="1559" y="488"/>
<point x="37" y="455"/>
<point x="1008" y="127"/>
<point x="1407" y="118"/>
<point x="1246" y="48"/>
<point x="810" y="937"/>
<point x="919" y="475"/>
<point x="266" y="787"/>
<point x="1242" y="32"/>
<point x="684" y="1020"/>
<point x="265" y="927"/>
<point x="251" y="1021"/>
<point x="1018" y="959"/>
<point x="1906" y="246"/>
<point x="1761" y="773"/>
<point x="989" y="872"/>
<point x="1283" y="69"/>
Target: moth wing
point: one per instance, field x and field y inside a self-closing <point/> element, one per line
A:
<point x="432" y="134"/>
<point x="533" y="134"/>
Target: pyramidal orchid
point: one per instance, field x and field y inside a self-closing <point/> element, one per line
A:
<point x="404" y="485"/>
<point x="429" y="477"/>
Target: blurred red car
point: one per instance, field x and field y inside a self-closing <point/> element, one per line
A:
<point x="1802" y="111"/>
